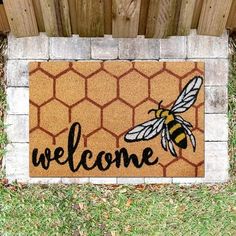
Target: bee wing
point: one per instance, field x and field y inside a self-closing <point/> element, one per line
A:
<point x="188" y="95"/>
<point x="145" y="131"/>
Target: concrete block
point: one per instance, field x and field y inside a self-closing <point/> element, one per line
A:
<point x="102" y="180"/>
<point x="16" y="160"/>
<point x="216" y="99"/>
<point x="201" y="46"/>
<point x="17" y="73"/>
<point x="130" y="180"/>
<point x="158" y="180"/>
<point x="216" y="127"/>
<point x="17" y="128"/>
<point x="216" y="165"/>
<point x="18" y="100"/>
<point x="72" y="48"/>
<point x="216" y="71"/>
<point x="28" y="48"/>
<point x="50" y="180"/>
<point x="75" y="180"/>
<point x="188" y="181"/>
<point x="173" y="47"/>
<point x="173" y="60"/>
<point x="104" y="48"/>
<point x="216" y="157"/>
<point x="139" y="48"/>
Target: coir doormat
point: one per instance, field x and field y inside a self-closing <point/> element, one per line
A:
<point x="116" y="118"/>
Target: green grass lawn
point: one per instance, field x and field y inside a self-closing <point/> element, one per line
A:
<point x="109" y="210"/>
<point x="122" y="210"/>
<point x="3" y="100"/>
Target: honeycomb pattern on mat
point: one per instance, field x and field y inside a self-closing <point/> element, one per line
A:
<point x="108" y="98"/>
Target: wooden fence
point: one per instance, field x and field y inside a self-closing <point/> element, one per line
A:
<point x="121" y="18"/>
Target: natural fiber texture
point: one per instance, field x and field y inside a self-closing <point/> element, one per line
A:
<point x="108" y="99"/>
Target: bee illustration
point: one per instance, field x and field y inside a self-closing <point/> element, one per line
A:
<point x="173" y="128"/>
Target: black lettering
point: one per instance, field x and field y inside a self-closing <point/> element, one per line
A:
<point x="103" y="161"/>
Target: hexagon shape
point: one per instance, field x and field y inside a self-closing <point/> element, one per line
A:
<point x="165" y="87"/>
<point x="88" y="115"/>
<point x="45" y="140"/>
<point x="33" y="110"/>
<point x="117" y="68"/>
<point x="200" y="117"/>
<point x="141" y="112"/>
<point x="54" y="68"/>
<point x="117" y="117"/>
<point x="148" y="68"/>
<point x="133" y="88"/>
<point x="190" y="116"/>
<point x="62" y="138"/>
<point x="72" y="85"/>
<point x="40" y="82"/>
<point x="180" y="168"/>
<point x="201" y="170"/>
<point x="101" y="141"/>
<point x="180" y="68"/>
<point x="197" y="156"/>
<point x="102" y="88"/>
<point x="86" y="69"/>
<point x="54" y="117"/>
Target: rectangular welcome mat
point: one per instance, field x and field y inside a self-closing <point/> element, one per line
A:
<point x="116" y="118"/>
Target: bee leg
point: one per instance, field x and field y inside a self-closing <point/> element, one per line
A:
<point x="170" y="143"/>
<point x="182" y="121"/>
<point x="191" y="136"/>
<point x="163" y="140"/>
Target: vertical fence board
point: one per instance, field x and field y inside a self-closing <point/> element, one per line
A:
<point x="39" y="15"/>
<point x="196" y="13"/>
<point x="213" y="17"/>
<point x="49" y="17"/>
<point x="63" y="13"/>
<point x="108" y="16"/>
<point x="4" y="25"/>
<point x="231" y="22"/>
<point x="121" y="18"/>
<point x="125" y="20"/>
<point x="143" y="17"/>
<point x="90" y="18"/>
<point x="174" y="18"/>
<point x="185" y="17"/>
<point x="21" y="17"/>
<point x="161" y="15"/>
<point x="73" y="16"/>
<point x="56" y="17"/>
<point x="152" y="18"/>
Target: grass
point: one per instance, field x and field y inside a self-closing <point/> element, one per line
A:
<point x="121" y="210"/>
<point x="3" y="136"/>
<point x="112" y="210"/>
<point x="232" y="110"/>
<point x="3" y="100"/>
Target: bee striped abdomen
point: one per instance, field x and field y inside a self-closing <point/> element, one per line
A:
<point x="177" y="133"/>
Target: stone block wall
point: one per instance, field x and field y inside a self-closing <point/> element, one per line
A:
<point x="212" y="50"/>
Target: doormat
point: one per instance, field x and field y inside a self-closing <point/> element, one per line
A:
<point x="116" y="118"/>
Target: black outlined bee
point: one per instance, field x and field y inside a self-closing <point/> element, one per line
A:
<point x="173" y="128"/>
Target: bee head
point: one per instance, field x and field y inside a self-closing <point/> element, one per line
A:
<point x="157" y="111"/>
